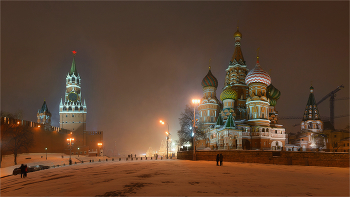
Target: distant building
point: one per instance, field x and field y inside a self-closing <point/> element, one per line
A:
<point x="246" y="118"/>
<point x="317" y="135"/>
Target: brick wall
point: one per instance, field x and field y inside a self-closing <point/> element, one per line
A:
<point x="272" y="157"/>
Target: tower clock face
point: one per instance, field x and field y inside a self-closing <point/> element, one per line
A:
<point x="73" y="96"/>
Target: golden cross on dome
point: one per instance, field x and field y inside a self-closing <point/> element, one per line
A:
<point x="257" y="56"/>
<point x="209" y="63"/>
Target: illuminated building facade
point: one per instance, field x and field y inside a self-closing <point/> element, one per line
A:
<point x="73" y="111"/>
<point x="246" y="118"/>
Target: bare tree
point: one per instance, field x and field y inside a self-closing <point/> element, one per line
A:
<point x="15" y="138"/>
<point x="186" y="123"/>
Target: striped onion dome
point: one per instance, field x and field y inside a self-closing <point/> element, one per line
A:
<point x="258" y="75"/>
<point x="273" y="93"/>
<point x="209" y="80"/>
<point x="273" y="102"/>
<point x="228" y="93"/>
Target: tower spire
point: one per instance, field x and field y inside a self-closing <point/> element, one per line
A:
<point x="237" y="57"/>
<point x="73" y="69"/>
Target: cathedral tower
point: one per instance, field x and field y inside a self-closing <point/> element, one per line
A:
<point x="257" y="102"/>
<point x="73" y="110"/>
<point x="311" y="119"/>
<point x="210" y="106"/>
<point x="235" y="77"/>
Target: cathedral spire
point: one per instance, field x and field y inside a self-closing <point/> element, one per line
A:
<point x="237" y="57"/>
<point x="73" y="69"/>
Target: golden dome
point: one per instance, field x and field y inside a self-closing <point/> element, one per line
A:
<point x="237" y="33"/>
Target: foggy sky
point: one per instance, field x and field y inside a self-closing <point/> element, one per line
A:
<point x="144" y="61"/>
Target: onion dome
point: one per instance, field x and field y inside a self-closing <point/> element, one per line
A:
<point x="258" y="75"/>
<point x="237" y="33"/>
<point x="228" y="93"/>
<point x="273" y="93"/>
<point x="273" y="102"/>
<point x="209" y="80"/>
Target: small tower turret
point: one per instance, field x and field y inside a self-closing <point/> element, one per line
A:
<point x="44" y="115"/>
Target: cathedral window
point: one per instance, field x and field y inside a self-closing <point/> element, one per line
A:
<point x="72" y="115"/>
<point x="73" y="79"/>
<point x="70" y="108"/>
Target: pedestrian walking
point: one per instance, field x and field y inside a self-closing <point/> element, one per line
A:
<point x="217" y="159"/>
<point x="221" y="159"/>
<point x="22" y="170"/>
<point x="25" y="171"/>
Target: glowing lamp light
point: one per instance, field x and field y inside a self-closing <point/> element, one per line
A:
<point x="39" y="126"/>
<point x="167" y="133"/>
<point x="196" y="101"/>
<point x="99" y="144"/>
<point x="161" y="122"/>
<point x="17" y="122"/>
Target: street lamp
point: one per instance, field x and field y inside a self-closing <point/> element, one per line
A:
<point x="78" y="152"/>
<point x="167" y="138"/>
<point x="70" y="150"/>
<point x="46" y="153"/>
<point x="195" y="102"/>
<point x="99" y="145"/>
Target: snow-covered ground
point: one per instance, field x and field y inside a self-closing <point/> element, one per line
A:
<point x="179" y="178"/>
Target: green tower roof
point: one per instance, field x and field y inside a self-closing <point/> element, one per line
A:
<point x="311" y="110"/>
<point x="219" y="121"/>
<point x="230" y="123"/>
<point x="73" y="69"/>
<point x="44" y="108"/>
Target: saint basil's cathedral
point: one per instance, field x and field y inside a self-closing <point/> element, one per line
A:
<point x="245" y="118"/>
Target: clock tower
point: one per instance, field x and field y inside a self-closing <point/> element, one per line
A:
<point x="72" y="109"/>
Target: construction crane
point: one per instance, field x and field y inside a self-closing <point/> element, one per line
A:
<point x="331" y="102"/>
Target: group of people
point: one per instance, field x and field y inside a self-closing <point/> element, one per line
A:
<point x="219" y="157"/>
<point x="24" y="170"/>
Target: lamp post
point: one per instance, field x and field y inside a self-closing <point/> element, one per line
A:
<point x="46" y="153"/>
<point x="78" y="152"/>
<point x="195" y="102"/>
<point x="70" y="150"/>
<point x="99" y="145"/>
<point x="167" y="138"/>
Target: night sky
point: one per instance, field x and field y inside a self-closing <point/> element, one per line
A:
<point x="144" y="61"/>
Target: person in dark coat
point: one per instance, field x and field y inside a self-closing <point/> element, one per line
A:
<point x="25" y="171"/>
<point x="22" y="170"/>
<point x="221" y="159"/>
<point x="217" y="159"/>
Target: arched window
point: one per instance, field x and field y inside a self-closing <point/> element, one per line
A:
<point x="76" y="108"/>
<point x="70" y="109"/>
<point x="73" y="80"/>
